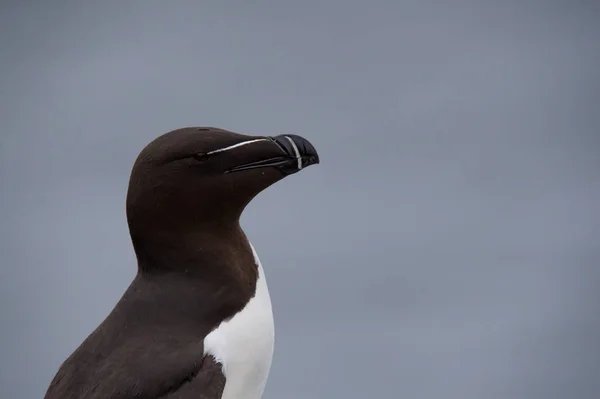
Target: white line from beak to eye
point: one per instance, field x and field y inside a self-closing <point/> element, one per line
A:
<point x="296" y="151"/>
<point x="231" y="147"/>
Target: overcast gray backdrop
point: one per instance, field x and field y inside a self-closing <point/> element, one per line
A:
<point x="446" y="247"/>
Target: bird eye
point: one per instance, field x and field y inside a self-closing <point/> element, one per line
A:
<point x="203" y="157"/>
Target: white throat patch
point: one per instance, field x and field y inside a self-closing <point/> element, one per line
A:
<point x="243" y="345"/>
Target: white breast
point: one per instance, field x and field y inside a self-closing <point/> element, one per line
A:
<point x="244" y="344"/>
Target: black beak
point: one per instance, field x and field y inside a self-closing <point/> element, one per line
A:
<point x="297" y="154"/>
<point x="298" y="148"/>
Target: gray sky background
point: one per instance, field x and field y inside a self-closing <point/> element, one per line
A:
<point x="447" y="246"/>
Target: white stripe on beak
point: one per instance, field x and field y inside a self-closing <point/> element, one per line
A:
<point x="296" y="151"/>
<point x="231" y="147"/>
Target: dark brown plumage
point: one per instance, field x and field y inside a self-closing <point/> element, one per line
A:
<point x="195" y="269"/>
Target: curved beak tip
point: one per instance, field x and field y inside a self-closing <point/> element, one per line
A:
<point x="298" y="147"/>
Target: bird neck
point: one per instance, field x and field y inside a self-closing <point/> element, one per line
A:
<point x="189" y="250"/>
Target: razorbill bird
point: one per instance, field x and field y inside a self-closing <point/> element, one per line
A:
<point x="196" y="322"/>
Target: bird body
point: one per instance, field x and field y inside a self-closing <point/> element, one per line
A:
<point x="196" y="321"/>
<point x="244" y="344"/>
